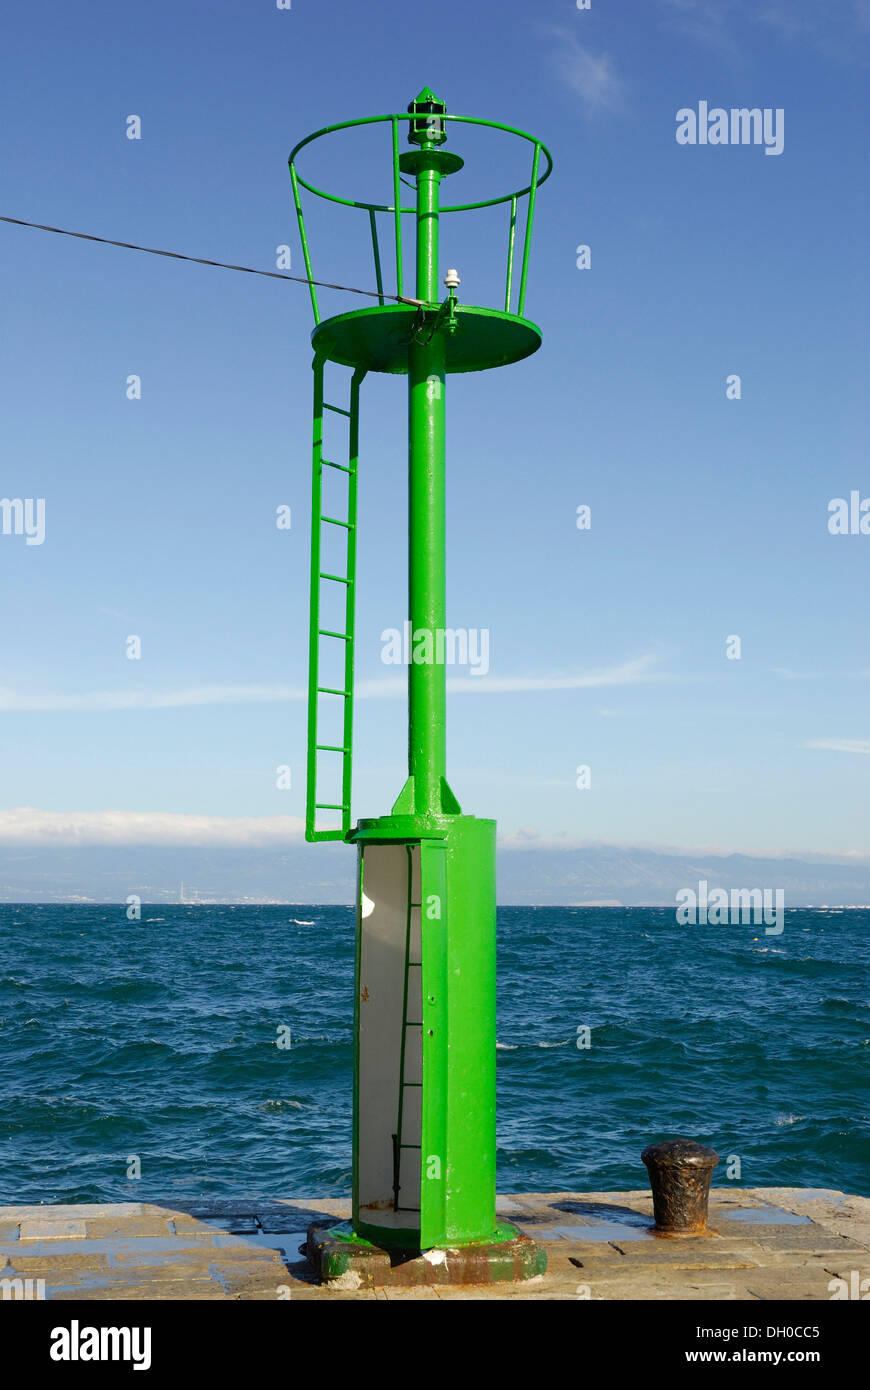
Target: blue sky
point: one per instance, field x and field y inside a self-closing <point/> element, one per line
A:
<point x="608" y="647"/>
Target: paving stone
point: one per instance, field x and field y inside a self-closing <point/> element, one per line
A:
<point x="180" y="1256"/>
<point x="78" y="1211"/>
<point x="193" y="1290"/>
<point x="796" y="1238"/>
<point x="245" y="1282"/>
<point x="694" y="1292"/>
<point x="332" y="1295"/>
<point x="197" y="1230"/>
<point x="47" y="1228"/>
<point x="799" y="1196"/>
<point x="509" y="1208"/>
<point x="102" y="1228"/>
<point x="202" y="1252"/>
<point x="115" y="1278"/>
<point x="687" y="1254"/>
<point x="254" y="1292"/>
<point x="803" y="1283"/>
<point x="64" y="1269"/>
<point x="427" y="1292"/>
<point x="42" y="1265"/>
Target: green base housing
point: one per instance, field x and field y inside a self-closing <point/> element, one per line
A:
<point x="424" y="1086"/>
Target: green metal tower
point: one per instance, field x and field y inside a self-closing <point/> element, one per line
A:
<point x="424" y="1090"/>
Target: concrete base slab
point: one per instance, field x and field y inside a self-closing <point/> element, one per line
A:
<point x="769" y="1243"/>
<point x="343" y="1261"/>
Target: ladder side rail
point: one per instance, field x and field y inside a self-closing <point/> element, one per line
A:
<point x="350" y="598"/>
<point x="311" y="832"/>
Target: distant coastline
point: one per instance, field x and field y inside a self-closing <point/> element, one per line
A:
<point x="600" y="876"/>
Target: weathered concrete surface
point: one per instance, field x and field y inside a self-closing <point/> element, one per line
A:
<point x="766" y="1243"/>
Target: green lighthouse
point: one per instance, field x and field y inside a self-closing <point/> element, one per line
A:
<point x="424" y="1085"/>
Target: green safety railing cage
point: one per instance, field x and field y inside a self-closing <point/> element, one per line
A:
<point x="377" y="338"/>
<point x="396" y="212"/>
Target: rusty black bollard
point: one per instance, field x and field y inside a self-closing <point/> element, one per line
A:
<point x="679" y="1173"/>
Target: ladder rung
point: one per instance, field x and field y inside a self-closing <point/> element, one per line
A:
<point x="412" y="1083"/>
<point x="329" y="806"/>
<point x="325" y="632"/>
<point x="327" y="463"/>
<point x="336" y="578"/>
<point x="409" y="1024"/>
<point x="330" y="748"/>
<point x="338" y="409"/>
<point x="348" y="525"/>
<point x="409" y="1146"/>
<point x="327" y="690"/>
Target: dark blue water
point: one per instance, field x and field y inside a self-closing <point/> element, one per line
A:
<point x="157" y="1039"/>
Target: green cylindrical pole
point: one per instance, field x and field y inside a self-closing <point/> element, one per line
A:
<point x="427" y="692"/>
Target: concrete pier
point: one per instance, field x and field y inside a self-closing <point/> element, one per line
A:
<point x="762" y="1244"/>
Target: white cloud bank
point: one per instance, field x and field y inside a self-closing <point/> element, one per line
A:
<point x="24" y="825"/>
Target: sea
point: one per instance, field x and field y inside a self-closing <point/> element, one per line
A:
<point x="207" y="1051"/>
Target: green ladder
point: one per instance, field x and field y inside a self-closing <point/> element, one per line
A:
<point x="318" y="633"/>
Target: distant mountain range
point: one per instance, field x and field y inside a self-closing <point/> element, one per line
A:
<point x="324" y="873"/>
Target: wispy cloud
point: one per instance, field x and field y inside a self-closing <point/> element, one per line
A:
<point x="796" y="19"/>
<point x="636" y="672"/>
<point x="787" y="674"/>
<point x="785" y="20"/>
<point x="24" y="825"/>
<point x="729" y="27"/>
<point x="841" y="745"/>
<point x="591" y="76"/>
<point x="633" y="672"/>
<point x="708" y="22"/>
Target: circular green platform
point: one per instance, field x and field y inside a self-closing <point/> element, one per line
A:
<point x="378" y="339"/>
